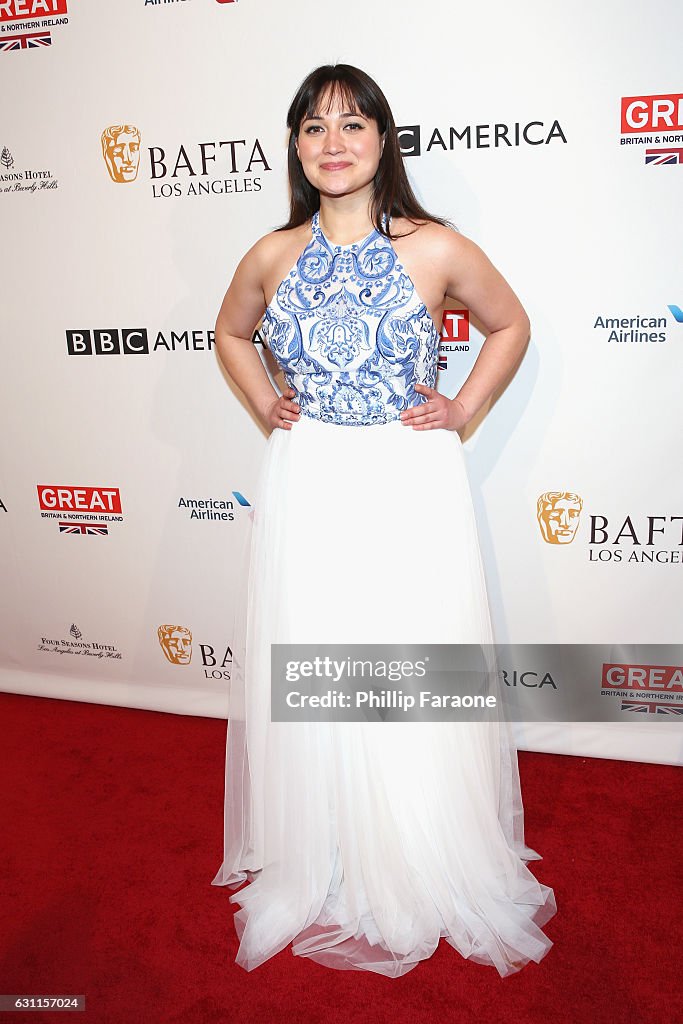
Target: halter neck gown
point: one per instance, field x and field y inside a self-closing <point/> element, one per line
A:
<point x="363" y="844"/>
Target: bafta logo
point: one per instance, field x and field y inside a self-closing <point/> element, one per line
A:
<point x="558" y="515"/>
<point x="121" y="151"/>
<point x="176" y="643"/>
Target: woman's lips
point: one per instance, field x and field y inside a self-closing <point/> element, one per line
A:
<point x="334" y="167"/>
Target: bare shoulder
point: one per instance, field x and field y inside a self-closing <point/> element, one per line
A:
<point x="431" y="241"/>
<point x="272" y="247"/>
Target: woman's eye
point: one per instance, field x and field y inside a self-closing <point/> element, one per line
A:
<point x="315" y="128"/>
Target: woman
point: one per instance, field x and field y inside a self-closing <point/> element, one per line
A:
<point x="364" y="845"/>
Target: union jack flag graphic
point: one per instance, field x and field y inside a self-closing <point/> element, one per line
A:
<point x="641" y="707"/>
<point x="85" y="529"/>
<point x="26" y="41"/>
<point x="664" y="156"/>
<point x="442" y="363"/>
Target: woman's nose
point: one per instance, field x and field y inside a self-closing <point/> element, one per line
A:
<point x="334" y="141"/>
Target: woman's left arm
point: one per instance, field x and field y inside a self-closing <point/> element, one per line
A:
<point x="473" y="279"/>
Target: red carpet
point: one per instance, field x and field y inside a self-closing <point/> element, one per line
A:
<point x="112" y="832"/>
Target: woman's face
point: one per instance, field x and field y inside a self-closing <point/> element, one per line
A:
<point x="339" y="150"/>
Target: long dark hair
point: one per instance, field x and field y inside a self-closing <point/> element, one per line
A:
<point x="392" y="193"/>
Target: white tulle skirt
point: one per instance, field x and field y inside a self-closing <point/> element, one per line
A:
<point x="362" y="844"/>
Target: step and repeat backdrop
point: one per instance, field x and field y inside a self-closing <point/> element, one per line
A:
<point x="143" y="151"/>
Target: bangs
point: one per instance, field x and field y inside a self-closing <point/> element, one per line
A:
<point x="345" y="94"/>
<point x="343" y="86"/>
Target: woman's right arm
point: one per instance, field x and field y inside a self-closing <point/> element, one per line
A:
<point x="242" y="308"/>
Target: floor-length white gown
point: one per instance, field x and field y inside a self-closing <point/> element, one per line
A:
<point x="362" y="844"/>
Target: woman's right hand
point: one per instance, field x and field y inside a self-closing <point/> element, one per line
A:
<point x="283" y="411"/>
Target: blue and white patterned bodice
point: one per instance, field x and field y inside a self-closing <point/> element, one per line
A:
<point x="351" y="333"/>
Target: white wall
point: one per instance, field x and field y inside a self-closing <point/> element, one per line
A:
<point x="581" y="228"/>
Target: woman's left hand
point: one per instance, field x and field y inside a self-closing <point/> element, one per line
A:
<point x="437" y="412"/>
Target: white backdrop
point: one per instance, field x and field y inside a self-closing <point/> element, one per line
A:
<point x="108" y="456"/>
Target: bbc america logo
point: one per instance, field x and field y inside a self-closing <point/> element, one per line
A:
<point x="135" y="341"/>
<point x="108" y="342"/>
<point x="409" y="140"/>
<point x="478" y="136"/>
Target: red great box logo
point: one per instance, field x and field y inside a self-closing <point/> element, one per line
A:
<point x="663" y="113"/>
